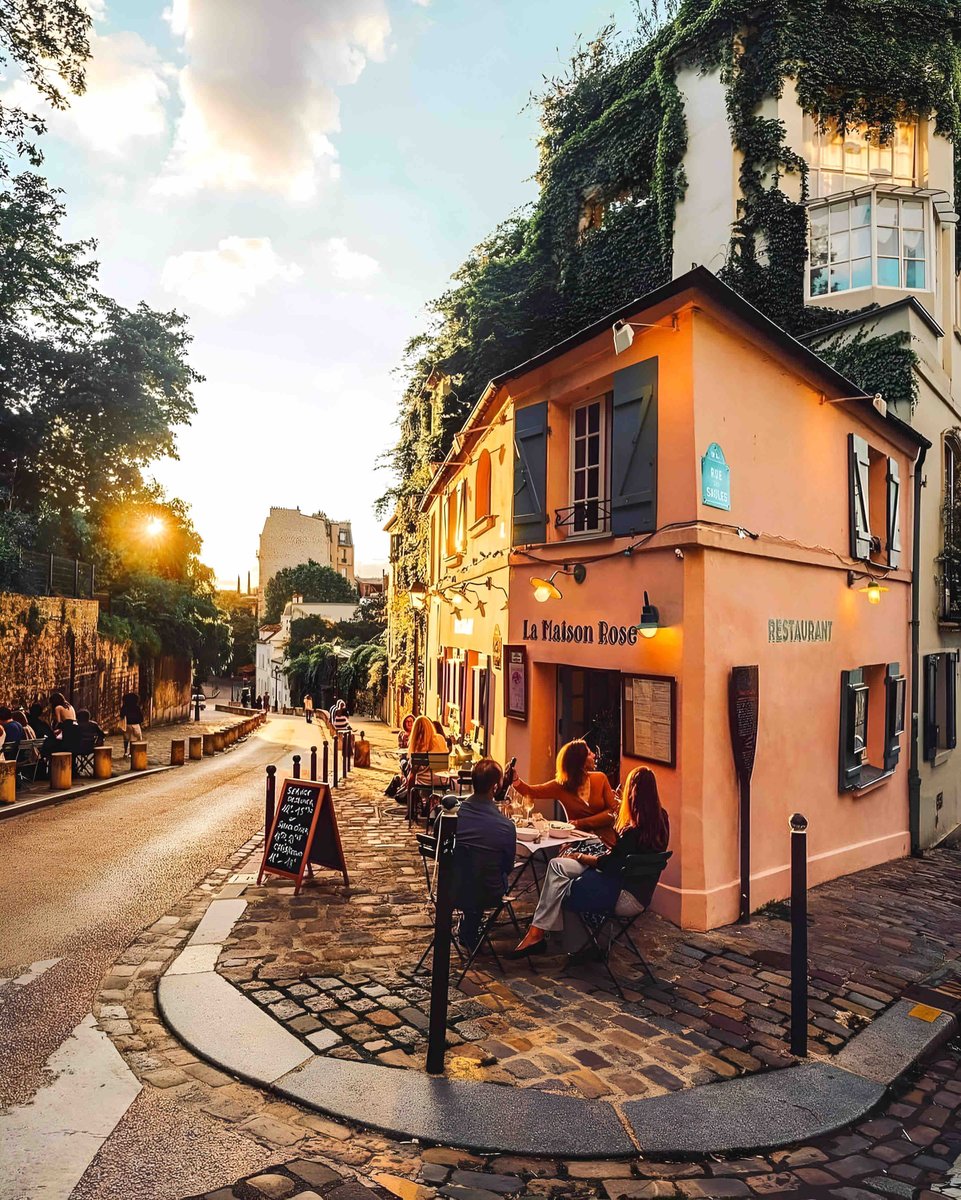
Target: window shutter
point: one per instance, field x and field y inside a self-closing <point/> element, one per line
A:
<point x="634" y="450"/>
<point x="931" y="737"/>
<point x="530" y="474"/>
<point x="441" y="686"/>
<point x="858" y="495"/>
<point x="894" y="514"/>
<point x="951" y="701"/>
<point x="895" y="686"/>
<point x="854" y="698"/>
<point x="485" y="702"/>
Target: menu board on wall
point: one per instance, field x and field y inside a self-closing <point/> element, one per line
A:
<point x="648" y="708"/>
<point x="515" y="685"/>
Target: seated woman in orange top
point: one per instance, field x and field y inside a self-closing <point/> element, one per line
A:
<point x="585" y="793"/>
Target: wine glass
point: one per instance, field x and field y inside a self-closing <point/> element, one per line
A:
<point x="528" y="809"/>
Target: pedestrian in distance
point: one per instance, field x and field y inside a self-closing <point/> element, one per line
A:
<point x="132" y="717"/>
<point x="309" y="709"/>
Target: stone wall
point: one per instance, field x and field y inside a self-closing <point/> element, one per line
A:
<point x="48" y="643"/>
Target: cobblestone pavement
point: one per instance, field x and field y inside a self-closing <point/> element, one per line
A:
<point x="335" y="965"/>
<point x="910" y="1149"/>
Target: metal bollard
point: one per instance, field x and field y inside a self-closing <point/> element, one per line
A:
<point x="296" y="766"/>
<point x="313" y="763"/>
<point x="269" y="800"/>
<point x="799" y="935"/>
<point x="336" y="760"/>
<point x="326" y="765"/>
<point x="349" y="737"/>
<point x="440" y="960"/>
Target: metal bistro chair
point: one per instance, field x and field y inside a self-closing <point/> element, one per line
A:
<point x="605" y="930"/>
<point x="82" y="751"/>
<point x="419" y="795"/>
<point x="478" y="888"/>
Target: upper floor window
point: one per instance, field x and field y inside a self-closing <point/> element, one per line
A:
<point x="590" y="502"/>
<point x="482" y="486"/>
<point x="456" y="520"/>
<point x="870" y="240"/>
<point x="859" y="157"/>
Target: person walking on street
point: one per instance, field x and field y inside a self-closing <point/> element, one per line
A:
<point x="309" y="708"/>
<point x="132" y="717"/>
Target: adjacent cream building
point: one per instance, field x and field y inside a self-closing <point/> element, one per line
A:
<point x="290" y="537"/>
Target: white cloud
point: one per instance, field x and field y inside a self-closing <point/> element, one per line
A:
<point x="225" y="279"/>
<point x="127" y="84"/>
<point x="259" y="90"/>
<point x="349" y="265"/>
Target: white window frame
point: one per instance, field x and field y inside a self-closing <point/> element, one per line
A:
<point x="875" y="194"/>
<point x="873" y="175"/>
<point x="603" y="482"/>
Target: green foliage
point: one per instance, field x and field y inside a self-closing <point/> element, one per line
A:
<point x="875" y="363"/>
<point x="241" y="615"/>
<point x="309" y="631"/>
<point x="328" y="669"/>
<point x="317" y="585"/>
<point x="166" y="616"/>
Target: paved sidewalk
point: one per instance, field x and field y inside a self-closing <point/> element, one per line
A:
<point x="158" y="739"/>
<point x="334" y="965"/>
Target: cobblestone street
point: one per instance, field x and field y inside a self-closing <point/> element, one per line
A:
<point x="335" y="965"/>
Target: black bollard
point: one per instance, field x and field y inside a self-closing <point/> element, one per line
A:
<point x="269" y="800"/>
<point x="799" y="936"/>
<point x="197" y="707"/>
<point x="296" y="766"/>
<point x="326" y="762"/>
<point x="348" y="751"/>
<point x="313" y="763"/>
<point x="336" y="759"/>
<point x="440" y="959"/>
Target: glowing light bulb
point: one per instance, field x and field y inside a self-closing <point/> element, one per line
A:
<point x="542" y="593"/>
<point x="874" y="593"/>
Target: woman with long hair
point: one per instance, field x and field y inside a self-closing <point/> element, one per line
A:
<point x="585" y="792"/>
<point x="63" y="711"/>
<point x="593" y="882"/>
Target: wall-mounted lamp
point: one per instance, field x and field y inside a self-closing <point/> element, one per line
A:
<point x="547" y="589"/>
<point x="650" y="619"/>
<point x="417" y="593"/>
<point x="624" y="331"/>
<point x="872" y="588"/>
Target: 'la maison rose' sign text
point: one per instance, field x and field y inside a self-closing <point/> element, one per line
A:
<point x="586" y="635"/>
<point x="785" y="629"/>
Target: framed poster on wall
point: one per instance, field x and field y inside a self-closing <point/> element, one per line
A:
<point x="515" y="682"/>
<point x="649" y="707"/>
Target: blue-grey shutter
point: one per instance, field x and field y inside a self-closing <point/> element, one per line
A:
<point x="530" y="475"/>
<point x="851" y="750"/>
<point x="895" y="687"/>
<point x="859" y="496"/>
<point x="634" y="450"/>
<point x="932" y="732"/>
<point x="894" y="514"/>
<point x="951" y="700"/>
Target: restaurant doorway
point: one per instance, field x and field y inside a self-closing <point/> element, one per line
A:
<point x="589" y="707"/>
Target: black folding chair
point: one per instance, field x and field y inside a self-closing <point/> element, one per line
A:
<point x="427" y="849"/>
<point x="83" y="750"/>
<point x="478" y="887"/>
<point x="420" y="795"/>
<point x="606" y="930"/>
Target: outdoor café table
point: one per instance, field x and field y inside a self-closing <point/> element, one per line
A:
<point x="532" y="855"/>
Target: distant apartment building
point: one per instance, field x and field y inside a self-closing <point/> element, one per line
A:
<point x="290" y="537"/>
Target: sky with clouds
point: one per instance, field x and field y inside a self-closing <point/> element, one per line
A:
<point x="299" y="177"/>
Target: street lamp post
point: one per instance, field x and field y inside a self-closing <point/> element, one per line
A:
<point x="276" y="670"/>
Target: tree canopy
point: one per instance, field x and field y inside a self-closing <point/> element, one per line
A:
<point x="317" y="584"/>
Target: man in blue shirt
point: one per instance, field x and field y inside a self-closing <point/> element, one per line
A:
<point x="13" y="733"/>
<point x="484" y="852"/>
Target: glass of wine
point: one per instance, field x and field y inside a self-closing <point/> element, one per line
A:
<point x="528" y="809"/>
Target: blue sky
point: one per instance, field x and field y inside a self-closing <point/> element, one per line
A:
<point x="300" y="177"/>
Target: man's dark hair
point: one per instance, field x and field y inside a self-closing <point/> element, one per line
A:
<point x="83" y="714"/>
<point x="486" y="775"/>
<point x="4" y="713"/>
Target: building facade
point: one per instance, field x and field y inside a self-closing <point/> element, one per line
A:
<point x="290" y="537"/>
<point x="613" y="533"/>
<point x="881" y="231"/>
<point x="273" y="641"/>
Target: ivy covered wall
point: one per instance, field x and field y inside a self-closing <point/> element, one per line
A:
<point x="610" y="177"/>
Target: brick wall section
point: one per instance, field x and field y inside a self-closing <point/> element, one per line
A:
<point x="48" y="643"/>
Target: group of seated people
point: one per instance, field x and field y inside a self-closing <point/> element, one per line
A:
<point x="418" y="736"/>
<point x="69" y="730"/>
<point x="588" y="875"/>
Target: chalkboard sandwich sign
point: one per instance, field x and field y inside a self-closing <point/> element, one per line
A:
<point x="304" y="833"/>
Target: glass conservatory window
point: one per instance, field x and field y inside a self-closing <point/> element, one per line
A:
<point x="872" y="239"/>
